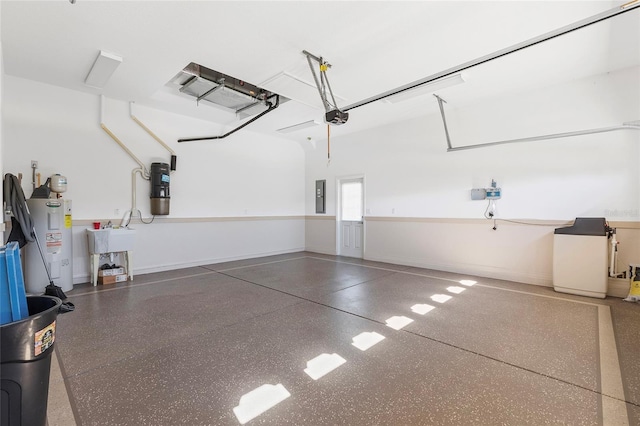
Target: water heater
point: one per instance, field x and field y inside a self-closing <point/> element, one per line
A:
<point x="52" y="222"/>
<point x="160" y="196"/>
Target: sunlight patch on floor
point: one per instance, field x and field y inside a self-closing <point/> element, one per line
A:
<point x="422" y="309"/>
<point x="323" y="364"/>
<point x="397" y="323"/>
<point x="259" y="400"/>
<point x="365" y="340"/>
<point x="441" y="298"/>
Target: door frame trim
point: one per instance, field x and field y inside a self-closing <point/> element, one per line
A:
<point x="339" y="181"/>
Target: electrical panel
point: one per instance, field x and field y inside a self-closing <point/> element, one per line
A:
<point x="320" y="199"/>
<point x="492" y="193"/>
<point x="478" y="194"/>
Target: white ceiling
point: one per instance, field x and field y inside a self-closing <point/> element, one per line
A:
<point x="373" y="46"/>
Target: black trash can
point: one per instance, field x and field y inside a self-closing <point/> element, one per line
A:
<point x="25" y="361"/>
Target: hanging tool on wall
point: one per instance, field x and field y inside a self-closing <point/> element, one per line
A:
<point x="333" y="115"/>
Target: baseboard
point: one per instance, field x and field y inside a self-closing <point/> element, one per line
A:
<point x="541" y="280"/>
<point x="85" y="278"/>
<point x="617" y="287"/>
<point x="321" y="250"/>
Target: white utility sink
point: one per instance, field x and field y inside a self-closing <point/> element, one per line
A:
<point x="110" y="240"/>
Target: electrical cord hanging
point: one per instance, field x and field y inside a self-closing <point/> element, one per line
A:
<point x="530" y="223"/>
<point x="139" y="214"/>
<point x="148" y="223"/>
<point x="487" y="213"/>
<point x="495" y="225"/>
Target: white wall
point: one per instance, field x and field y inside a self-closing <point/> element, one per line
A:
<point x="407" y="168"/>
<point x="168" y="245"/>
<point x="320" y="234"/>
<point x="409" y="174"/>
<point x="244" y="176"/>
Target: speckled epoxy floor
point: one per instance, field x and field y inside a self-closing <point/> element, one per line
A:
<point x="183" y="347"/>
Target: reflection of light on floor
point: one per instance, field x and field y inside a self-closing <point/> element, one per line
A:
<point x="422" y="309"/>
<point x="440" y="298"/>
<point x="365" y="340"/>
<point x="468" y="283"/>
<point x="259" y="400"/>
<point x="323" y="364"/>
<point x="455" y="289"/>
<point x="398" y="323"/>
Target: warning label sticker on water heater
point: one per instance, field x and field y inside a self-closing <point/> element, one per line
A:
<point x="54" y="242"/>
<point x="45" y="338"/>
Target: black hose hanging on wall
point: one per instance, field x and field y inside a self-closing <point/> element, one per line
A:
<point x="205" y="138"/>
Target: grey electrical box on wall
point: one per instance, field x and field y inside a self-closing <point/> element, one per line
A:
<point x="478" y="194"/>
<point x="320" y="187"/>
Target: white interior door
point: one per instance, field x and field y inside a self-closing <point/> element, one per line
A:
<point x="351" y="227"/>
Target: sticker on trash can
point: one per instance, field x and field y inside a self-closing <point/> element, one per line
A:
<point x="45" y="338"/>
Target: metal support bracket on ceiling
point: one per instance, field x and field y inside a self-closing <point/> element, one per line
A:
<point x="333" y="115"/>
<point x="205" y="94"/>
<point x="271" y="107"/>
<point x="631" y="125"/>
<point x="320" y="83"/>
<point x="444" y="120"/>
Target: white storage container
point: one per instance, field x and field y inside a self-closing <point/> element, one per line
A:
<point x="580" y="258"/>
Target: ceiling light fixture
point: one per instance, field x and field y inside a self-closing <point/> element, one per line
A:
<point x="426" y="88"/>
<point x="299" y="126"/>
<point x="102" y="69"/>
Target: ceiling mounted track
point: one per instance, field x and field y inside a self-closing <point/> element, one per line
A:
<point x="627" y="7"/>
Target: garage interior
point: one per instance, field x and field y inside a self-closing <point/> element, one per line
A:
<point x="336" y="212"/>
